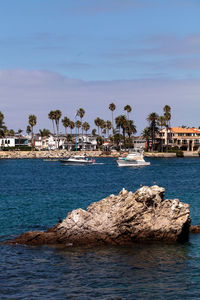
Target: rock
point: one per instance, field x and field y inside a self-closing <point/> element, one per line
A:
<point x="119" y="220"/>
<point x="195" y="229"/>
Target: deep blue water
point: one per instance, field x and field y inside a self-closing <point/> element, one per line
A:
<point x="34" y="194"/>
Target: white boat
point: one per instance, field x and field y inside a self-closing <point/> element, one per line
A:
<point x="134" y="159"/>
<point x="77" y="160"/>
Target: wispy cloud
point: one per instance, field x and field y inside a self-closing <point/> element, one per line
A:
<point x="25" y="92"/>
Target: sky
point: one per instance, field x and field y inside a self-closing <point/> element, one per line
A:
<point x="65" y="54"/>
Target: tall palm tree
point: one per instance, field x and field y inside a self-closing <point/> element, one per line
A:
<point x="57" y="117"/>
<point x="146" y="134"/>
<point x="102" y="125"/>
<point x="97" y="122"/>
<point x="81" y="114"/>
<point x="112" y="107"/>
<point x="121" y="122"/>
<point x="78" y="125"/>
<point x="128" y="110"/>
<point x="19" y="135"/>
<point x="86" y="126"/>
<point x="51" y="116"/>
<point x="71" y="125"/>
<point x="32" y="120"/>
<point x="108" y="126"/>
<point x="130" y="129"/>
<point x="161" y="123"/>
<point x="152" y="119"/>
<point x="167" y="115"/>
<point x="65" y="122"/>
<point x="28" y="129"/>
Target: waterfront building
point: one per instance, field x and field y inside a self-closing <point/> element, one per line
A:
<point x="186" y="139"/>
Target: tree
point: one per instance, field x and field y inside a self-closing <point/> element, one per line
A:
<point x="32" y="119"/>
<point x="86" y="126"/>
<point x="45" y="132"/>
<point x="19" y="135"/>
<point x="65" y="122"/>
<point x="128" y="109"/>
<point x="51" y="116"/>
<point x="112" y="107"/>
<point x="167" y="116"/>
<point x="78" y="125"/>
<point x="97" y="122"/>
<point x="71" y="125"/>
<point x="28" y="129"/>
<point x="130" y="129"/>
<point x="152" y="119"/>
<point x="121" y="122"/>
<point x="161" y="123"/>
<point x="94" y="132"/>
<point x="108" y="126"/>
<point x="146" y="134"/>
<point x="81" y="114"/>
<point x="102" y="125"/>
<point x="1" y="124"/>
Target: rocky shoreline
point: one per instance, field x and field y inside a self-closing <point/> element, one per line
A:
<point x="119" y="220"/>
<point x="57" y="154"/>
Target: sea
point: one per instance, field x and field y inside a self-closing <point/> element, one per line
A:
<point x="34" y="194"/>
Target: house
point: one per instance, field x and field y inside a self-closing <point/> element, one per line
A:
<point x="186" y="139"/>
<point x="13" y="141"/>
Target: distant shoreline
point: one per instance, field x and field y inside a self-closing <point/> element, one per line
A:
<point x="57" y="154"/>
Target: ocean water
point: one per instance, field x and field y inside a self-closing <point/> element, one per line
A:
<point x="34" y="194"/>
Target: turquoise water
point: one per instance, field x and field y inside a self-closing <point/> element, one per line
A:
<point x="34" y="194"/>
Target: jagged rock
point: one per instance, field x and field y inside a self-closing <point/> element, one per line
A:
<point x="122" y="219"/>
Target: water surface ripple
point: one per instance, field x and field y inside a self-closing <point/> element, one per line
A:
<point x="34" y="194"/>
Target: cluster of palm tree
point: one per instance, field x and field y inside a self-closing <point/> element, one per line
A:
<point x="157" y="122"/>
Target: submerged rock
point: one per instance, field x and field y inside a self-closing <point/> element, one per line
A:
<point x="119" y="220"/>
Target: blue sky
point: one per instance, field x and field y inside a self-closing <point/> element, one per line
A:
<point x="62" y="54"/>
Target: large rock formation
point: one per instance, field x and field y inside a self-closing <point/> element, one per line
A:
<point x="122" y="219"/>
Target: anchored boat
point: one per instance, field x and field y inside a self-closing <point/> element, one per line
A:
<point x="134" y="159"/>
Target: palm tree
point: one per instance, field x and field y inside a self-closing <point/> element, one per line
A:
<point x="78" y="125"/>
<point x="71" y="125"/>
<point x="102" y="125"/>
<point x="97" y="122"/>
<point x="57" y="116"/>
<point x="167" y="116"/>
<point x="121" y="122"/>
<point x="65" y="122"/>
<point x="94" y="132"/>
<point x="51" y="116"/>
<point x="146" y="134"/>
<point x="128" y="109"/>
<point x="45" y="132"/>
<point x="81" y="114"/>
<point x="152" y="119"/>
<point x="112" y="107"/>
<point x="28" y="129"/>
<point x="130" y="129"/>
<point x="86" y="126"/>
<point x="1" y="124"/>
<point x="161" y="123"/>
<point x="19" y="135"/>
<point x="108" y="126"/>
<point x="32" y="119"/>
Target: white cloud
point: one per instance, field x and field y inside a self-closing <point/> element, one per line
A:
<point x="26" y="92"/>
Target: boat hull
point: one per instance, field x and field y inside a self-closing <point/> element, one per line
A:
<point x="128" y="163"/>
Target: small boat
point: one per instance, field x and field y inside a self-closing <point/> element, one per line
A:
<point x="77" y="160"/>
<point x="134" y="159"/>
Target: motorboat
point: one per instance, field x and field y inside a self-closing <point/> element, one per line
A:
<point x="77" y="160"/>
<point x="134" y="159"/>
